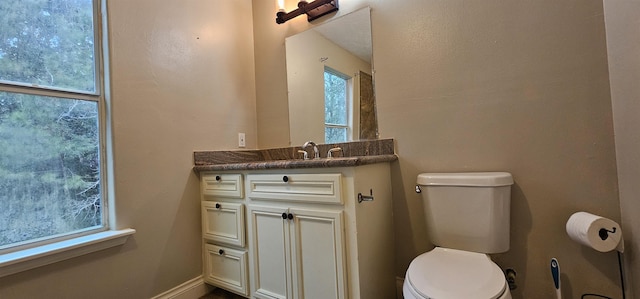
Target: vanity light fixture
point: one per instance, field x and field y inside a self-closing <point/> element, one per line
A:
<point x="313" y="10"/>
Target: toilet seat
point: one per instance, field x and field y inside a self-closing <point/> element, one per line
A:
<point x="449" y="273"/>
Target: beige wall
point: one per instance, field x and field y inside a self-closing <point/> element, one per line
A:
<point x="622" y="20"/>
<point x="182" y="80"/>
<point x="485" y="85"/>
<point x="461" y="86"/>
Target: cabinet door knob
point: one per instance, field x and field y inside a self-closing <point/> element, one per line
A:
<point x="221" y="252"/>
<point x="285" y="178"/>
<point x="284" y="215"/>
<point x="290" y="216"/>
<point x="217" y="206"/>
<point x="218" y="178"/>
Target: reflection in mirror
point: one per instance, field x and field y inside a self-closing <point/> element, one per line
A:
<point x="329" y="77"/>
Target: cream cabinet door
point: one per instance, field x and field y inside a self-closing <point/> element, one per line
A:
<point x="222" y="185"/>
<point x="317" y="254"/>
<point x="298" y="253"/>
<point x="226" y="268"/>
<point x="223" y="222"/>
<point x="324" y="188"/>
<point x="270" y="250"/>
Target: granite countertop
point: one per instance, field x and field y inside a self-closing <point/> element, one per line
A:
<point x="353" y="154"/>
<point x="299" y="163"/>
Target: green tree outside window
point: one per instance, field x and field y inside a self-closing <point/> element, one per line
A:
<point x="336" y="95"/>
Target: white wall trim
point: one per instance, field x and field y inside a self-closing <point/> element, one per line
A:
<point x="30" y="258"/>
<point x="191" y="289"/>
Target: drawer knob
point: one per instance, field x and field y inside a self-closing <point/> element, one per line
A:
<point x="217" y="206"/>
<point x="218" y="178"/>
<point x="284" y="215"/>
<point x="221" y="252"/>
<point x="290" y="216"/>
<point x="285" y="178"/>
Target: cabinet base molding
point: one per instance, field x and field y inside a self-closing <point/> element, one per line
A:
<point x="191" y="289"/>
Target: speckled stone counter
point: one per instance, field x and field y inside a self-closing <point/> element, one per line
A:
<point x="353" y="154"/>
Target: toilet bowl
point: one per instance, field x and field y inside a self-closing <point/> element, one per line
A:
<point x="454" y="274"/>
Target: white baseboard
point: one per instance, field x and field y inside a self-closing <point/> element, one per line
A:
<point x="191" y="289"/>
<point x="399" y="283"/>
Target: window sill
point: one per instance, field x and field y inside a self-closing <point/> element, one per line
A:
<point x="22" y="260"/>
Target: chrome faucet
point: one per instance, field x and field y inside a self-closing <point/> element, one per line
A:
<point x="316" y="153"/>
<point x="333" y="150"/>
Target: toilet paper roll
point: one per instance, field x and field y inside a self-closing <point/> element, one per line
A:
<point x="599" y="233"/>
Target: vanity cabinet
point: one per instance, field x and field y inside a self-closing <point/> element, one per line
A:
<point x="306" y="235"/>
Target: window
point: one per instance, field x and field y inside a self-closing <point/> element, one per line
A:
<point x="51" y="122"/>
<point x="336" y="100"/>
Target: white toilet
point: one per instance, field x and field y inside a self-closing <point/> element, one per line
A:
<point x="467" y="218"/>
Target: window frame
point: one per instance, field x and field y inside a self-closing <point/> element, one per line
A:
<point x="348" y="103"/>
<point x="35" y="253"/>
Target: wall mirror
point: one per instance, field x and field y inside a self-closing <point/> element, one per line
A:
<point x="330" y="82"/>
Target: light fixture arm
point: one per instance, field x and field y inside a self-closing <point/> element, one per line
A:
<point x="313" y="10"/>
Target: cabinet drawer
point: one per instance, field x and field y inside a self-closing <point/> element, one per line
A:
<point x="223" y="185"/>
<point x="226" y="268"/>
<point x="312" y="188"/>
<point x="223" y="222"/>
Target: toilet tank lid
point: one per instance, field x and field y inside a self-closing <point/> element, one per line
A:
<point x="480" y="179"/>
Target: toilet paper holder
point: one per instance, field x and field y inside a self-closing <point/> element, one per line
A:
<point x="604" y="233"/>
<point x="597" y="232"/>
<point x="583" y="228"/>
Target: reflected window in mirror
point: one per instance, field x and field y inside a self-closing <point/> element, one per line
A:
<point x="337" y="100"/>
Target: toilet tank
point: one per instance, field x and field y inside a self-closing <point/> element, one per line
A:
<point x="468" y="211"/>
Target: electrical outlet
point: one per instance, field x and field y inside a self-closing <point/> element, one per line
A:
<point x="241" y="140"/>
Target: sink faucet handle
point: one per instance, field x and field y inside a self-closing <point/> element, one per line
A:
<point x="316" y="153"/>
<point x="333" y="150"/>
<point x="305" y="155"/>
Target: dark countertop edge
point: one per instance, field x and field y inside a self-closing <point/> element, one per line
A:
<point x="291" y="164"/>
